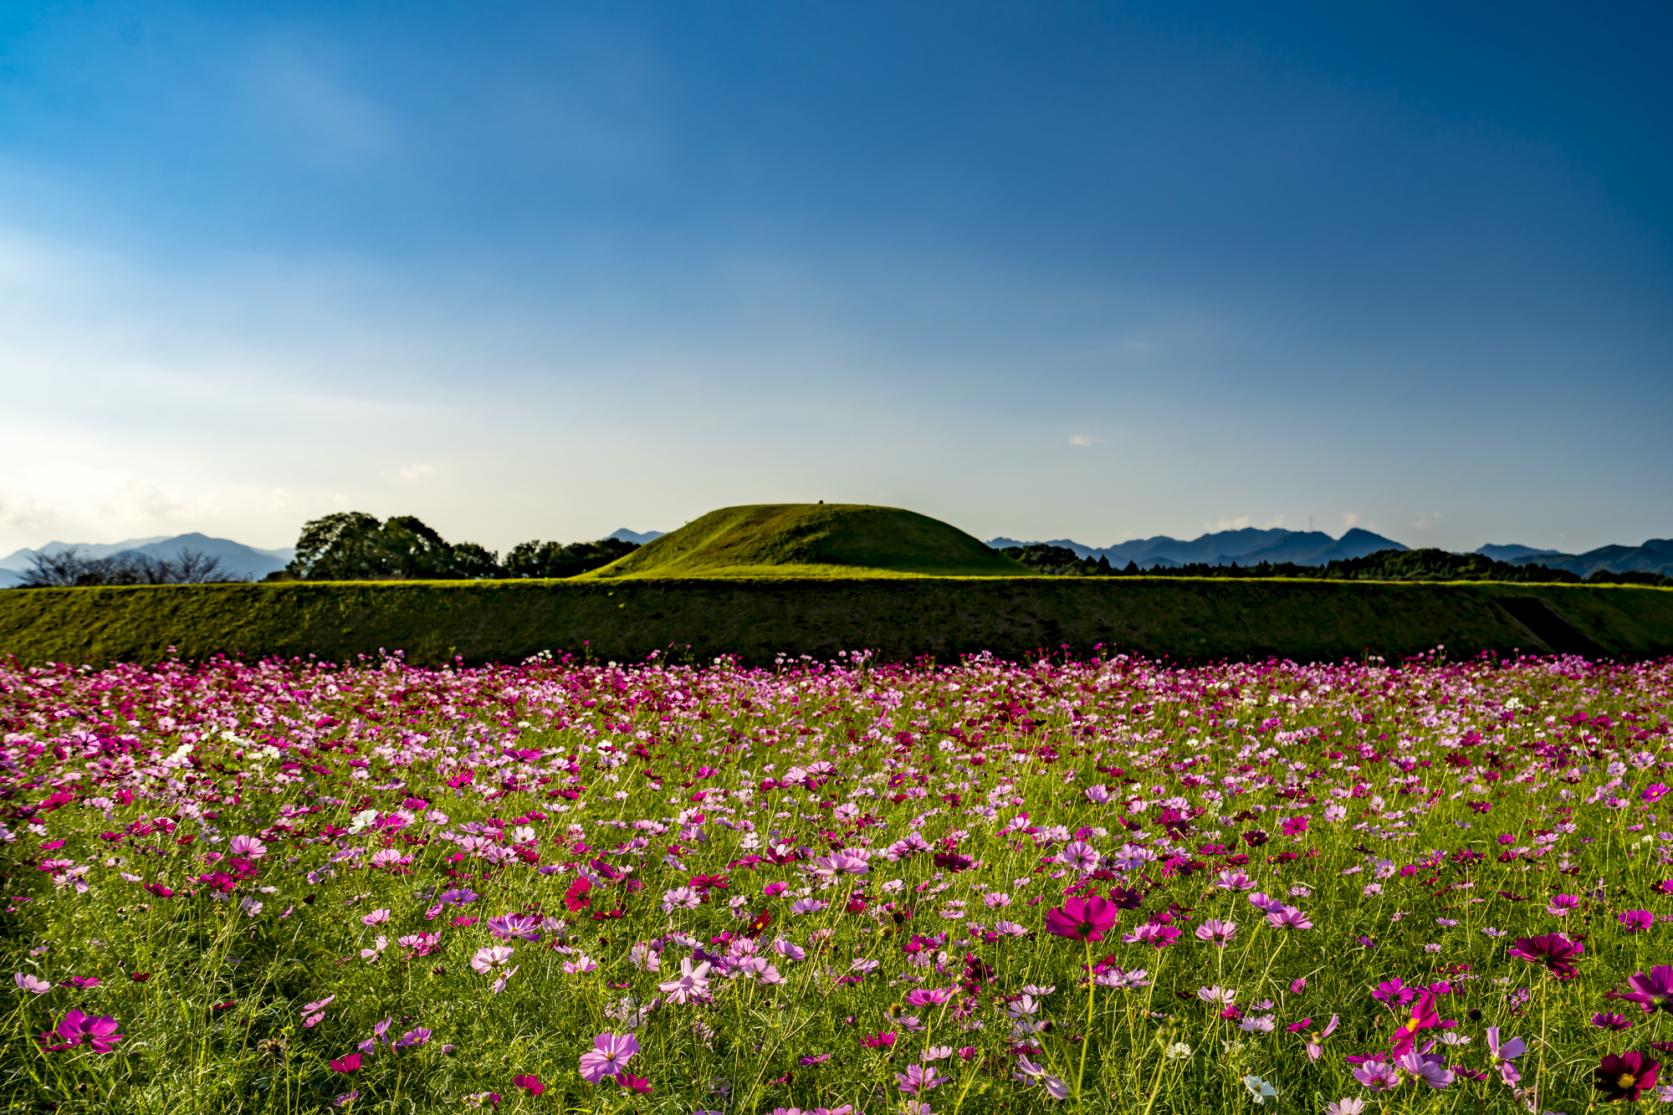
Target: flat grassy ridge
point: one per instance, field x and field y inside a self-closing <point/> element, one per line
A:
<point x="801" y="540"/>
<point x="899" y="618"/>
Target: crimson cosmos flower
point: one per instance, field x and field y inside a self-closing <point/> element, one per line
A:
<point x="1552" y="950"/>
<point x="1625" y="1076"/>
<point x="1085" y="919"/>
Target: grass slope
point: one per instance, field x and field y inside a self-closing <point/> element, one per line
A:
<point x="899" y="618"/>
<point x="812" y="540"/>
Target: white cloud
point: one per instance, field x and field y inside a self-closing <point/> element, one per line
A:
<point x="1350" y="519"/>
<point x="1425" y="522"/>
<point x="1082" y="441"/>
<point x="1236" y="523"/>
<point x="416" y="471"/>
<point x="21" y="512"/>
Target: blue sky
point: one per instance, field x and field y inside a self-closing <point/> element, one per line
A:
<point x="1095" y="271"/>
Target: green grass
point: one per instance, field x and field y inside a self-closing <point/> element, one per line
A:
<point x="812" y="540"/>
<point x="899" y="617"/>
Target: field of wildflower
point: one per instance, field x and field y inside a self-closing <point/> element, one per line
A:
<point x="1105" y="885"/>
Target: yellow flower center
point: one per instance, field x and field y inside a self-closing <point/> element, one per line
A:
<point x="1625" y="1081"/>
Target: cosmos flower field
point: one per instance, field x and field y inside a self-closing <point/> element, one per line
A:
<point x="1097" y="885"/>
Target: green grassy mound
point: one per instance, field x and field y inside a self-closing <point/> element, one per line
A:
<point x="899" y="618"/>
<point x="804" y="540"/>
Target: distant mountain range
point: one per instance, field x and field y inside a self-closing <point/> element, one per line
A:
<point x="638" y="538"/>
<point x="237" y="560"/>
<point x="1654" y="556"/>
<point x="1250" y="546"/>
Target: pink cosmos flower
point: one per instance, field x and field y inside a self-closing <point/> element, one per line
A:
<point x="1086" y="919"/>
<point x="1030" y="1073"/>
<point x="421" y="944"/>
<point x="1427" y="1067"/>
<point x="1217" y="932"/>
<point x="1503" y="1054"/>
<point x="1287" y="917"/>
<point x="917" y="1079"/>
<point x="1158" y="936"/>
<point x="530" y="1083"/>
<point x="348" y="1064"/>
<point x="248" y="847"/>
<point x="1080" y="855"/>
<point x="691" y="986"/>
<point x="35" y="985"/>
<point x="487" y="959"/>
<point x="1636" y="921"/>
<point x="1314" y="1038"/>
<point x="1377" y="1076"/>
<point x="929" y="996"/>
<point x="514" y="927"/>
<point x="608" y="1056"/>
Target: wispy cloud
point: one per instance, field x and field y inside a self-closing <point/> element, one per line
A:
<point x="1083" y="441"/>
<point x="305" y="101"/>
<point x="415" y="472"/>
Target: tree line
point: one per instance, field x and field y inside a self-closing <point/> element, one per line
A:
<point x="68" y="568"/>
<point x="1384" y="565"/>
<point x="345" y="546"/>
<point x="356" y="546"/>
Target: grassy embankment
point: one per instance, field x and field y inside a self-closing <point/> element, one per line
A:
<point x="898" y="617"/>
<point x="816" y="579"/>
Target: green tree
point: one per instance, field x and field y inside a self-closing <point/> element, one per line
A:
<point x="341" y="546"/>
<point x="553" y="559"/>
<point x="475" y="563"/>
<point x="411" y="549"/>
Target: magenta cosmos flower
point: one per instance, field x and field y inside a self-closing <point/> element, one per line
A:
<point x="608" y="1056"/>
<point x="1424" y="1017"/>
<point x="1555" y="952"/>
<point x="1654" y="991"/>
<point x="1085" y="919"/>
<point x="76" y="1027"/>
